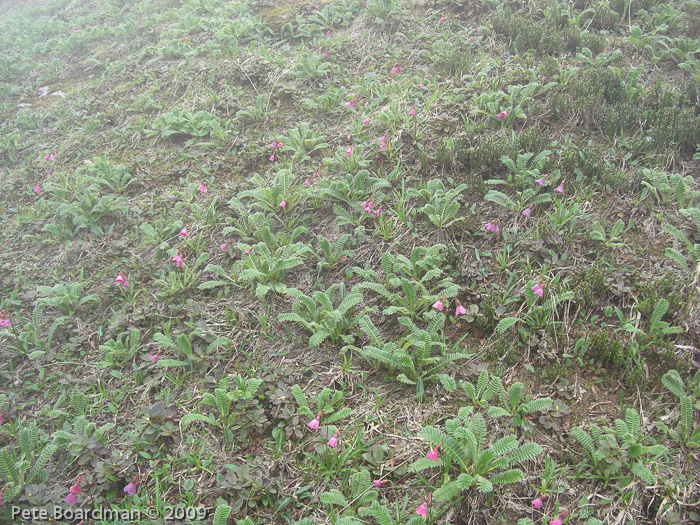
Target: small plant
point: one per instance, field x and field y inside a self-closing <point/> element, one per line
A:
<point x="194" y="348"/>
<point x="320" y="317"/>
<point x="514" y="405"/>
<point x="484" y="390"/>
<point x="385" y="12"/>
<point x="466" y="447"/>
<point x="614" y="452"/>
<point x="520" y="174"/>
<point x="419" y="358"/>
<point x="329" y="406"/>
<point x="692" y="248"/>
<point x="360" y="494"/>
<point x="667" y="189"/>
<point x="66" y="297"/>
<point x="221" y="400"/>
<point x="331" y="254"/>
<point x="21" y="465"/>
<point x="183" y="123"/>
<point x="684" y="432"/>
<point x="118" y="352"/>
<point x="610" y="240"/>
<point x="266" y="269"/>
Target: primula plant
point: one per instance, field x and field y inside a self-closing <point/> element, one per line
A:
<point x="482" y="463"/>
<point x="319" y="315"/>
<point x="419" y="358"/>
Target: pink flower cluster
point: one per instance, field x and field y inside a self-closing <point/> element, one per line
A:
<point x="314" y="424"/>
<point x="274" y="145"/>
<point x="72" y="497"/>
<point x="178" y="258"/>
<point x="396" y="69"/>
<point x="5" y="319"/>
<point x="538" y="289"/>
<point x="351" y="103"/>
<point x="121" y="280"/>
<point x="382" y="142"/>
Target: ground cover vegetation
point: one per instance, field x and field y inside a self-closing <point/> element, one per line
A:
<point x="351" y="262"/>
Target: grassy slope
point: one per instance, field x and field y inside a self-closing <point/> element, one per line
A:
<point x="142" y="102"/>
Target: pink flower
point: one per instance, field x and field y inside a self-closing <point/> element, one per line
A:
<point x="351" y="103"/>
<point x="76" y="29"/>
<point x="156" y="356"/>
<point x="279" y="144"/>
<point x="5" y="321"/>
<point x="460" y="309"/>
<point x="72" y="498"/>
<point x="421" y="85"/>
<point x="366" y="121"/>
<point x="2" y="420"/>
<point x="527" y="212"/>
<point x="328" y="32"/>
<point x="247" y="252"/>
<point x="413" y="111"/>
<point x="349" y="151"/>
<point x="75" y="489"/>
<point x="378" y="482"/>
<point x="2" y="492"/>
<point x="502" y="114"/>
<point x="313" y="424"/>
<point x="306" y="182"/>
<point x="537" y="503"/>
<point x="49" y="157"/>
<point x="333" y="442"/>
<point x="560" y="188"/>
<point x="556" y="521"/>
<point x="538" y="289"/>
<point x="393" y="70"/>
<point x="202" y="188"/>
<point x="130" y="489"/>
<point x="224" y="246"/>
<point x="442" y="19"/>
<point x="541" y="181"/>
<point x="178" y="259"/>
<point x="325" y="55"/>
<point x="382" y="141"/>
<point x="272" y="158"/>
<point x="183" y="233"/>
<point x="399" y="69"/>
<point x="283" y="203"/>
<point x="439" y="304"/>
<point x="274" y="144"/>
<point x="378" y="211"/>
<point x="122" y="280"/>
<point x="37" y="188"/>
<point x="423" y="510"/>
<point x="492" y="227"/>
<point x="433" y="453"/>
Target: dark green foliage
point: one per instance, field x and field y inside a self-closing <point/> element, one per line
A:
<point x="606" y="349"/>
<point x="692" y="10"/>
<point x="484" y="152"/>
<point x="592" y="286"/>
<point x="667" y="287"/>
<point x="544" y="37"/>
